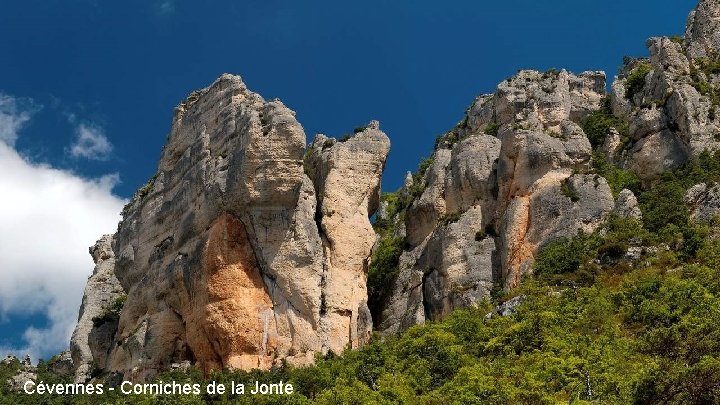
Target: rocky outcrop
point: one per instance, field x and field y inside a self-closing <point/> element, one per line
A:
<point x="704" y="201"/>
<point x="627" y="205"/>
<point x="247" y="249"/>
<point x="670" y="100"/>
<point x="702" y="35"/>
<point x="511" y="182"/>
<point x="25" y="372"/>
<point x="346" y="175"/>
<point x="232" y="256"/>
<point x="93" y="335"/>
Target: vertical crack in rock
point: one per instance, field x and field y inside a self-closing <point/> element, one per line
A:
<point x="221" y="254"/>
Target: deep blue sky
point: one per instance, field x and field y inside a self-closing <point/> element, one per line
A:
<point x="415" y="66"/>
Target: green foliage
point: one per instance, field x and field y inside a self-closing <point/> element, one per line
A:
<point x="558" y="259"/>
<point x="139" y="195"/>
<point x="597" y="125"/>
<point x="569" y="192"/>
<point x="112" y="313"/>
<point x="618" y="179"/>
<point x="678" y="39"/>
<point x="492" y="129"/>
<point x="418" y="184"/>
<point x="636" y="79"/>
<point x="701" y="71"/>
<point x="382" y="272"/>
<point x="328" y="143"/>
<point x="449" y="218"/>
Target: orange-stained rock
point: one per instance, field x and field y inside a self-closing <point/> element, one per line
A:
<point x="231" y="314"/>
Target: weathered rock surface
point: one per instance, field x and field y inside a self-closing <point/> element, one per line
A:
<point x="491" y="201"/>
<point x="231" y="256"/>
<point x="704" y="201"/>
<point x="93" y="335"/>
<point x="62" y="364"/>
<point x="627" y="205"/>
<point x="672" y="111"/>
<point x="347" y="179"/>
<point x="702" y="35"/>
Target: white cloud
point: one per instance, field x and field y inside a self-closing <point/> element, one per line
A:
<point x="48" y="219"/>
<point x="166" y="7"/>
<point x="14" y="113"/>
<point x="91" y="143"/>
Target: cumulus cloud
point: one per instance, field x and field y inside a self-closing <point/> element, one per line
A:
<point x="49" y="218"/>
<point x="14" y="113"/>
<point x="91" y="143"/>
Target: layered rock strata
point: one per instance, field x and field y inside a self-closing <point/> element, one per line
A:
<point x="232" y="256"/>
<point x="671" y="100"/>
<point x="513" y="176"/>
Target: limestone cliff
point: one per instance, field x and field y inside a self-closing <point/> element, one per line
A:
<point x="248" y="248"/>
<point x="516" y="173"/>
<point x="671" y="100"/>
<point x="512" y="176"/>
<point x="231" y="256"/>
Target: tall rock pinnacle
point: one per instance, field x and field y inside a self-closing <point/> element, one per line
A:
<point x="231" y="256"/>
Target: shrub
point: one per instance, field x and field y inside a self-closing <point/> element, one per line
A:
<point x="558" y="259"/>
<point x="569" y="192"/>
<point x="492" y="129"/>
<point x="618" y="179"/>
<point x="664" y="205"/>
<point x="449" y="218"/>
<point x="382" y="272"/>
<point x="111" y="313"/>
<point x="636" y="79"/>
<point x="597" y="124"/>
<point x="328" y="143"/>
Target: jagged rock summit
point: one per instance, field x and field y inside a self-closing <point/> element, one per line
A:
<point x="247" y="248"/>
<point x="671" y="100"/>
<point x="511" y="177"/>
<point x="242" y="250"/>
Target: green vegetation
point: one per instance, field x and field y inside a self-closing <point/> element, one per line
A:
<point x="663" y="206"/>
<point x="700" y="71"/>
<point x="328" y="143"/>
<point x="492" y="129"/>
<point x="569" y="192"/>
<point x="597" y="125"/>
<point x="449" y="218"/>
<point x="112" y="313"/>
<point x="382" y="272"/>
<point x="636" y="79"/>
<point x="139" y="195"/>
<point x="678" y="39"/>
<point x="618" y="179"/>
<point x="418" y="184"/>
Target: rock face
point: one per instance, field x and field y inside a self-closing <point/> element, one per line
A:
<point x="232" y="256"/>
<point x="627" y="205"/>
<point x="516" y="179"/>
<point x="26" y="372"/>
<point x="94" y="332"/>
<point x="704" y="201"/>
<point x="246" y="249"/>
<point x="670" y="100"/>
